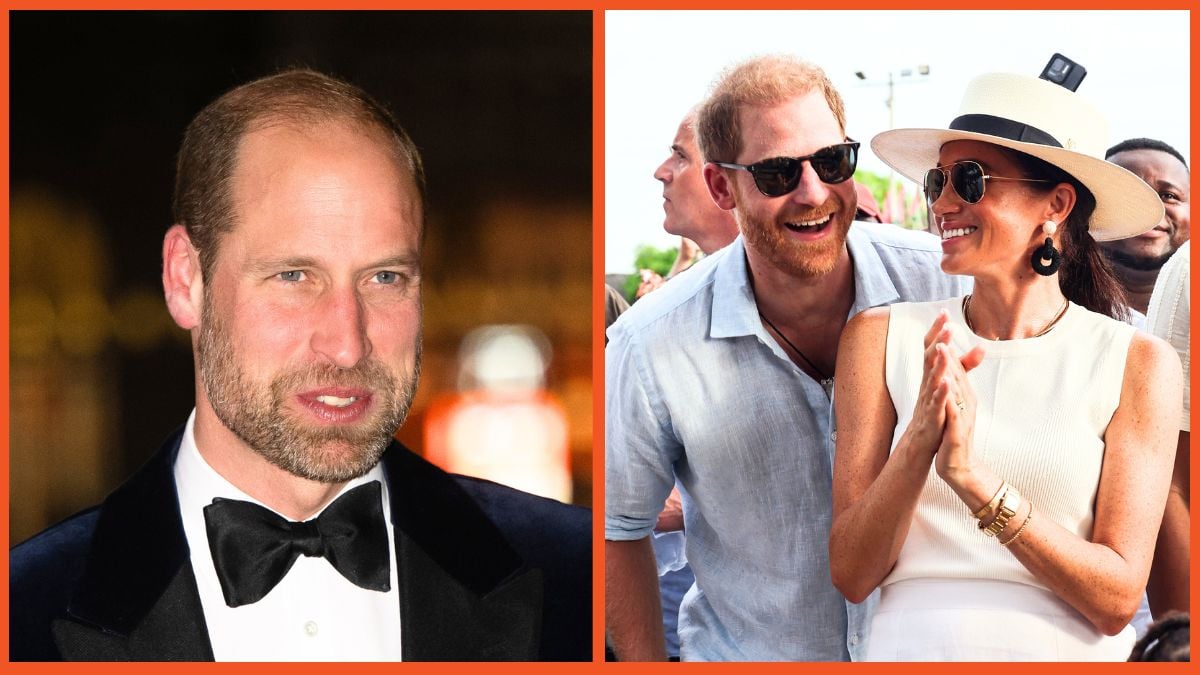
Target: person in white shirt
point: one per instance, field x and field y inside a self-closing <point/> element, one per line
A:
<point x="1170" y="319"/>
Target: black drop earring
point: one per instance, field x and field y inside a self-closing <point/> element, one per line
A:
<point x="1046" y="259"/>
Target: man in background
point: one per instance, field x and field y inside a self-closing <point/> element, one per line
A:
<point x="689" y="210"/>
<point x="1137" y="260"/>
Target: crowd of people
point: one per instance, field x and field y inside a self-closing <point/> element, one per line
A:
<point x="880" y="444"/>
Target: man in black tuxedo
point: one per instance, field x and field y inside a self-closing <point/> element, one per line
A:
<point x="283" y="522"/>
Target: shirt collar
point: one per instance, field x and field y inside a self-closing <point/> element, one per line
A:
<point x="735" y="312"/>
<point x="873" y="285"/>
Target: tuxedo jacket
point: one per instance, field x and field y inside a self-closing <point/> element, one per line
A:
<point x="486" y="573"/>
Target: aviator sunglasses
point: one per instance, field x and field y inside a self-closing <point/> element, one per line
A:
<point x="966" y="177"/>
<point x="778" y="176"/>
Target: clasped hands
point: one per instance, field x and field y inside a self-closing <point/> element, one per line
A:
<point x="943" y="422"/>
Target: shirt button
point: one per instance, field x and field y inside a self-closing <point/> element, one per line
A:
<point x="833" y="436"/>
<point x="310" y="628"/>
<point x="854" y="639"/>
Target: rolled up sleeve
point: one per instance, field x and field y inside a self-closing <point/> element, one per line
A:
<point x="640" y="448"/>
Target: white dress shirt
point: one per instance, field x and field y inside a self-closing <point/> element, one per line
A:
<point x="314" y="614"/>
<point x="1169" y="317"/>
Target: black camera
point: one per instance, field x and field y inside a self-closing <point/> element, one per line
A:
<point x="1063" y="72"/>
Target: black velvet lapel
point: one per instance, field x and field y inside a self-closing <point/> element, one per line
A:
<point x="137" y="599"/>
<point x="465" y="594"/>
<point x="172" y="630"/>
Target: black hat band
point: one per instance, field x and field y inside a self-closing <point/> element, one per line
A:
<point x="1004" y="128"/>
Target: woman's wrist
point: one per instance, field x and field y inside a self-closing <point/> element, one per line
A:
<point x="975" y="485"/>
<point x="1016" y="525"/>
<point x="913" y="454"/>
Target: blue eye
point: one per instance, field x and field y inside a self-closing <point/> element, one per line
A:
<point x="291" y="276"/>
<point x="387" y="277"/>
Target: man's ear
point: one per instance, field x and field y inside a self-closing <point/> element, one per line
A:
<point x="720" y="188"/>
<point x="183" y="284"/>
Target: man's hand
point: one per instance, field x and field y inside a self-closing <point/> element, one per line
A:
<point x="650" y="281"/>
<point x="689" y="251"/>
<point x="670" y="519"/>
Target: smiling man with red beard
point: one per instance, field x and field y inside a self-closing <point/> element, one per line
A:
<point x="283" y="522"/>
<point x="722" y="380"/>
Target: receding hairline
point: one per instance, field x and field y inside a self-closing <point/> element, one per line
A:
<point x="208" y="154"/>
<point x="312" y="125"/>
<point x="691" y="117"/>
<point x="690" y="135"/>
<point x="311" y="129"/>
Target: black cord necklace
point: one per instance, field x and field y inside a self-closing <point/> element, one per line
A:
<point x="820" y="375"/>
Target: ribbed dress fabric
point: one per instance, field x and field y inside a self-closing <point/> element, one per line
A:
<point x="1043" y="406"/>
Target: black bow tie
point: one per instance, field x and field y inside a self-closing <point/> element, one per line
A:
<point x="253" y="548"/>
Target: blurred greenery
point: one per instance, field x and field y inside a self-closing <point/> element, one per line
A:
<point x="648" y="258"/>
<point x="878" y="184"/>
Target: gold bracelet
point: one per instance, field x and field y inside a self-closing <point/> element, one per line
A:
<point x="991" y="505"/>
<point x="1007" y="509"/>
<point x="1020" y="530"/>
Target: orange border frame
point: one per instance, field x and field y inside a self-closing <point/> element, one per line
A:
<point x="597" y="7"/>
<point x="598" y="257"/>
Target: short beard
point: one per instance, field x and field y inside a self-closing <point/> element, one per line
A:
<point x="258" y="416"/>
<point x="801" y="260"/>
<point x="1140" y="263"/>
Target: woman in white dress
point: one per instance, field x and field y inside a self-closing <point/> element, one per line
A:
<point x="1003" y="459"/>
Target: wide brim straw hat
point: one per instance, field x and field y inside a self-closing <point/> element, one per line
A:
<point x="1045" y="120"/>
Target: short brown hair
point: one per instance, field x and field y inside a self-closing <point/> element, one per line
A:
<point x="765" y="80"/>
<point x="203" y="201"/>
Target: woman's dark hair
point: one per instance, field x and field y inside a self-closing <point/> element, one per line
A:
<point x="1168" y="639"/>
<point x="1086" y="278"/>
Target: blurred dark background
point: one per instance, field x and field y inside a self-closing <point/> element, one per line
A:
<point x="498" y="102"/>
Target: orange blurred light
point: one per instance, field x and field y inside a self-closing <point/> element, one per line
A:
<point x="519" y="440"/>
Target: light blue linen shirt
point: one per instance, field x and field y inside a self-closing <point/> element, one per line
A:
<point x="697" y="389"/>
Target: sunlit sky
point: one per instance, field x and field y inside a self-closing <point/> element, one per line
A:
<point x="658" y="64"/>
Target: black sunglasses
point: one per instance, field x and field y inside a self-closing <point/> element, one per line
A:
<point x="966" y="177"/>
<point x="778" y="176"/>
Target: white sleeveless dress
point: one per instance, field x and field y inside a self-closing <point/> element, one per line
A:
<point x="1043" y="405"/>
